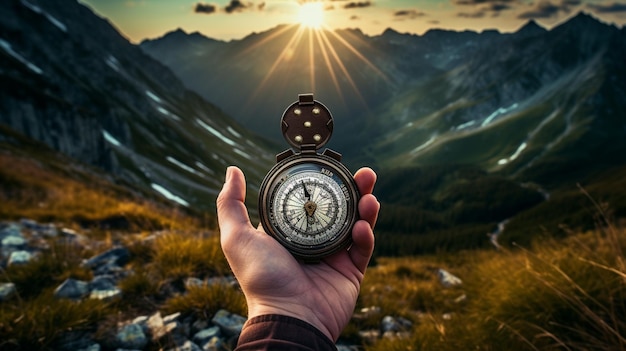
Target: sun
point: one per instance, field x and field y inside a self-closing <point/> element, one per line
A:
<point x="311" y="15"/>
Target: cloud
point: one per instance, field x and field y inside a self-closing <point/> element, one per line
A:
<point x="204" y="8"/>
<point x="358" y="4"/>
<point x="408" y="14"/>
<point x="615" y="7"/>
<point x="232" y="7"/>
<point x="484" y="7"/>
<point x="546" y="9"/>
<point x="477" y="14"/>
<point x="235" y="6"/>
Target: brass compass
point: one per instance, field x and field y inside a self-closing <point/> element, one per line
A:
<point x="308" y="200"/>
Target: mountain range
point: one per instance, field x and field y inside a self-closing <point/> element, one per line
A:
<point x="534" y="104"/>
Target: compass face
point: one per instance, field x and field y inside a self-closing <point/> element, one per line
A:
<point x="309" y="206"/>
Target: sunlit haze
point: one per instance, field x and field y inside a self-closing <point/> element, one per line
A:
<point x="311" y="15"/>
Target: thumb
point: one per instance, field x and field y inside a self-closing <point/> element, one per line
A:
<point x="232" y="214"/>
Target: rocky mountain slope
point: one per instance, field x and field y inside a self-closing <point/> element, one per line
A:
<point x="71" y="81"/>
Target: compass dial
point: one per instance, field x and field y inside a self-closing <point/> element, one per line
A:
<point x="309" y="206"/>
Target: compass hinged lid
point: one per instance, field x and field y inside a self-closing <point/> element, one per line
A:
<point x="307" y="124"/>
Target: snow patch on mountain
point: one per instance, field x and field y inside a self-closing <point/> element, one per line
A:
<point x="50" y="18"/>
<point x="169" y="195"/>
<point x="6" y="46"/>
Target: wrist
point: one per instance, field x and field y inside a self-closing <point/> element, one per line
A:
<point x="290" y="309"/>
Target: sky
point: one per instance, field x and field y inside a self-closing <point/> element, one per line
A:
<point x="235" y="19"/>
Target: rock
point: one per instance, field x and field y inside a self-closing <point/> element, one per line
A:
<point x="72" y="289"/>
<point x="93" y="347"/>
<point x="186" y="346"/>
<point x="19" y="257"/>
<point x="229" y="323"/>
<point x="199" y="325"/>
<point x="204" y="336"/>
<point x="369" y="336"/>
<point x="7" y="290"/>
<point x="447" y="279"/>
<point x="131" y="336"/>
<point x="117" y="256"/>
<point x="10" y="229"/>
<point x="106" y="295"/>
<point x="214" y="344"/>
<point x="193" y="282"/>
<point x="367" y="312"/>
<point x="13" y="241"/>
<point x="158" y="327"/>
<point x="395" y="324"/>
<point x="102" y="282"/>
<point x="47" y="230"/>
<point x="171" y="318"/>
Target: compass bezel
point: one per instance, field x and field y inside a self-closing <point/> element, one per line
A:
<point x="342" y="237"/>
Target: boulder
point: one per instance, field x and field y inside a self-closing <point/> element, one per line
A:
<point x="7" y="290"/>
<point x="131" y="336"/>
<point x="229" y="323"/>
<point x="19" y="257"/>
<point x="72" y="289"/>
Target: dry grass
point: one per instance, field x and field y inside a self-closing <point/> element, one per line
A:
<point x="558" y="295"/>
<point x="46" y="192"/>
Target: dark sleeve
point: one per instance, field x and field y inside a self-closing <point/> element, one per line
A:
<point x="277" y="332"/>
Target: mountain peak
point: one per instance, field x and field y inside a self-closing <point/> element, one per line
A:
<point x="531" y="28"/>
<point x="582" y="22"/>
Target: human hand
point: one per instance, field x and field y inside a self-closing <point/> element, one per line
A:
<point x="274" y="282"/>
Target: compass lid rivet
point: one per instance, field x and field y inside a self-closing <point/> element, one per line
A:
<point x="298" y="138"/>
<point x="317" y="137"/>
<point x="307" y="124"/>
<point x="297" y="112"/>
<point x="316" y="110"/>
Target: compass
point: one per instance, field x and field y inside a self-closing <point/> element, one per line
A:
<point x="308" y="200"/>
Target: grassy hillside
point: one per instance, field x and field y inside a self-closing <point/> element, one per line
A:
<point x="566" y="294"/>
<point x="41" y="184"/>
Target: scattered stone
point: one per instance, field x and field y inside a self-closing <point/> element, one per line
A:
<point x="48" y="230"/>
<point x="193" y="282"/>
<point x="72" y="289"/>
<point x="106" y="295"/>
<point x="117" y="256"/>
<point x="229" y="323"/>
<point x="214" y="344"/>
<point x="395" y="324"/>
<point x="93" y="347"/>
<point x="7" y="290"/>
<point x="10" y="229"/>
<point x="447" y="279"/>
<point x="131" y="336"/>
<point x="204" y="336"/>
<point x="19" y="257"/>
<point x="186" y="346"/>
<point x="369" y="336"/>
<point x="14" y="241"/>
<point x="199" y="325"/>
<point x="102" y="282"/>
